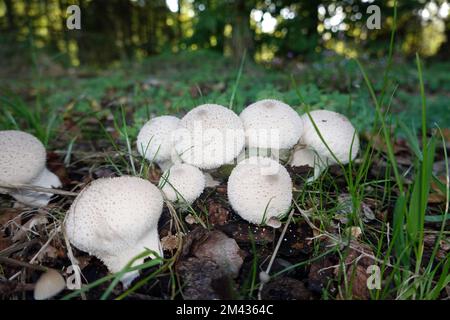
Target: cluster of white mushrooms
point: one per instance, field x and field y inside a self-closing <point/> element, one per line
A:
<point x="117" y="218"/>
<point x="210" y="136"/>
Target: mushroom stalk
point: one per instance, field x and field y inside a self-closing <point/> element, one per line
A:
<point x="117" y="262"/>
<point x="46" y="179"/>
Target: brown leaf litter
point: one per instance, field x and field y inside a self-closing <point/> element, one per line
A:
<point x="208" y="263"/>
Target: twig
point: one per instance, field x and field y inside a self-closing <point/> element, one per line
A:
<point x="38" y="189"/>
<point x="15" y="262"/>
<point x="50" y="238"/>
<point x="17" y="247"/>
<point x="264" y="275"/>
<point x="10" y="287"/>
<point x="39" y="252"/>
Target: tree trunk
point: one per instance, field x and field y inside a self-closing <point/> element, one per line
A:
<point x="124" y="18"/>
<point x="178" y="26"/>
<point x="10" y="15"/>
<point x="242" y="37"/>
<point x="152" y="29"/>
<point x="64" y="31"/>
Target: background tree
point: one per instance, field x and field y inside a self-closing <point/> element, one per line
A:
<point x="126" y="29"/>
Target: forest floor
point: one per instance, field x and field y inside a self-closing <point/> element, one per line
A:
<point x="342" y="223"/>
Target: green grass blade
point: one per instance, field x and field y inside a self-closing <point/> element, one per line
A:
<point x="238" y="79"/>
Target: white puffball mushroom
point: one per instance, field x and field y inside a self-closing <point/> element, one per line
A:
<point x="336" y="130"/>
<point x="271" y="124"/>
<point x="338" y="133"/>
<point x="22" y="161"/>
<point x="209" y="136"/>
<point x="49" y="285"/>
<point x="182" y="183"/>
<point x="259" y="189"/>
<point x="154" y="141"/>
<point x="115" y="219"/>
<point x="22" y="157"/>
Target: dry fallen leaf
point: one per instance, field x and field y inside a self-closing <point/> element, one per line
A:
<point x="5" y="243"/>
<point x="207" y="264"/>
<point x="379" y="143"/>
<point x="37" y="220"/>
<point x="436" y="195"/>
<point x="7" y="216"/>
<point x="356" y="263"/>
<point x="218" y="215"/>
<point x="170" y="242"/>
<point x="49" y="252"/>
<point x="430" y="242"/>
<point x="198" y="277"/>
<point x="222" y="250"/>
<point x="435" y="198"/>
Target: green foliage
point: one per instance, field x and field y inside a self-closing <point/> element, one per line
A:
<point x="38" y="119"/>
<point x="176" y="83"/>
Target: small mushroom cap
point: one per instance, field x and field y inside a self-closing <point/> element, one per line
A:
<point x="183" y="183"/>
<point x="271" y="124"/>
<point x="154" y="141"/>
<point x="115" y="219"/>
<point x="336" y="130"/>
<point x="209" y="136"/>
<point x="49" y="285"/>
<point x="22" y="157"/>
<point x="259" y="189"/>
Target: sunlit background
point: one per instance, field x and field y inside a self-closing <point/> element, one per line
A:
<point x="118" y="30"/>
